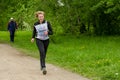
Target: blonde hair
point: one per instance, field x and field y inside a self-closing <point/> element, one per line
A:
<point x="39" y="12"/>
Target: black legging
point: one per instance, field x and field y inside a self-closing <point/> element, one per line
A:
<point x="42" y="46"/>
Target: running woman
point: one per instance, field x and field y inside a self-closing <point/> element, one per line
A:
<point x="42" y="30"/>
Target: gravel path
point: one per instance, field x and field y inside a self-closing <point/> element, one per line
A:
<point x="16" y="66"/>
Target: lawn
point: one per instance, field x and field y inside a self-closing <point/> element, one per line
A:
<point x="97" y="58"/>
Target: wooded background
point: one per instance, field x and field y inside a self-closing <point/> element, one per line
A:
<point x="98" y="17"/>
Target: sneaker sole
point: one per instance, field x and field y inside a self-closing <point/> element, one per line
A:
<point x="44" y="72"/>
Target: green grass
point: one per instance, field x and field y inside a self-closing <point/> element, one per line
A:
<point x="95" y="57"/>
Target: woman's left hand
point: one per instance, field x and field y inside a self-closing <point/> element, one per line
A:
<point x="46" y="32"/>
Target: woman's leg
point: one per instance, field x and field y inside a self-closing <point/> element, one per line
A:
<point x="46" y="44"/>
<point x="40" y="46"/>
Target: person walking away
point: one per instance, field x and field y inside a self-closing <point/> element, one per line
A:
<point x="12" y="26"/>
<point x="42" y="30"/>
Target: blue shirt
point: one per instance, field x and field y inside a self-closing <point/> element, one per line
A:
<point x="12" y="26"/>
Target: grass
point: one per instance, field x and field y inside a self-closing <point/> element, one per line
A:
<point x="95" y="57"/>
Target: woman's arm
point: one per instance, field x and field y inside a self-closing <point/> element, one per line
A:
<point x="33" y="35"/>
<point x="50" y="32"/>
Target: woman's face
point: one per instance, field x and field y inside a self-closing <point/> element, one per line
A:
<point x="40" y="17"/>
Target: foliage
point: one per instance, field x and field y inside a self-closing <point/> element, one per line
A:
<point x="99" y="17"/>
<point x="106" y="14"/>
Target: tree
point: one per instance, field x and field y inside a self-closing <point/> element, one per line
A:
<point x="100" y="17"/>
<point x="106" y="17"/>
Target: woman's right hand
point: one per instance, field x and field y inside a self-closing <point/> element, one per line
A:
<point x="32" y="40"/>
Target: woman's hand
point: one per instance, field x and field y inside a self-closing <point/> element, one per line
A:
<point x="32" y="40"/>
<point x="46" y="32"/>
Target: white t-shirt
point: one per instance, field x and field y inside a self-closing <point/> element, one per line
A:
<point x="40" y="29"/>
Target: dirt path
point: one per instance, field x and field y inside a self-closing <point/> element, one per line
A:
<point x="16" y="66"/>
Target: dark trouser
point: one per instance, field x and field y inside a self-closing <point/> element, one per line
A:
<point x="42" y="46"/>
<point x="12" y="34"/>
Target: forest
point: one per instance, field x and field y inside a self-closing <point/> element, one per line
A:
<point x="75" y="17"/>
<point x="85" y="36"/>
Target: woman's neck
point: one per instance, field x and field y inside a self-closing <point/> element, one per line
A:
<point x="41" y="21"/>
